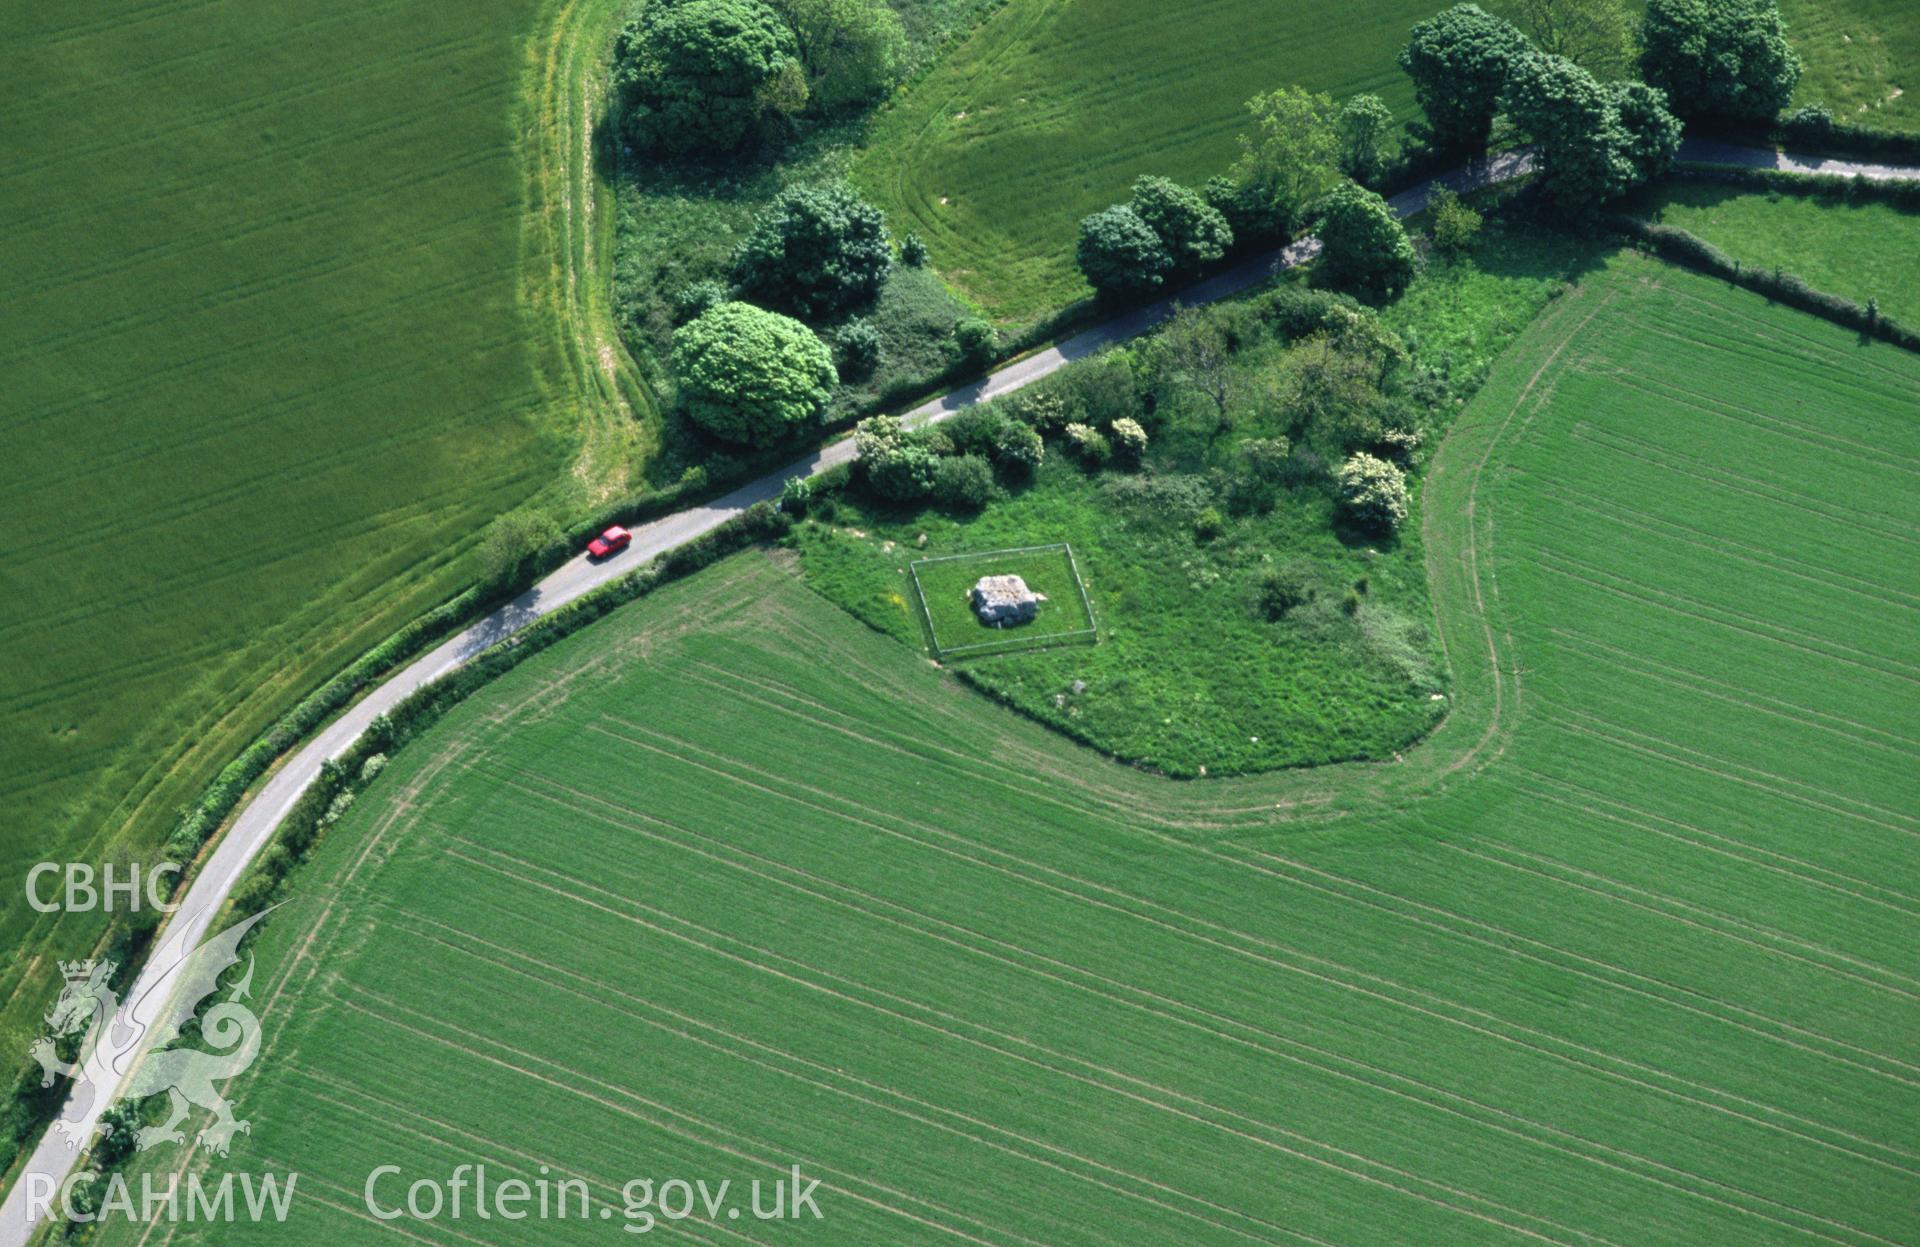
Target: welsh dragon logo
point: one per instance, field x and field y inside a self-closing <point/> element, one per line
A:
<point x="114" y="1034"/>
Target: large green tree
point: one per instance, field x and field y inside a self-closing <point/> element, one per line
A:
<point x="1365" y="247"/>
<point x="1573" y="121"/>
<point x="1194" y="233"/>
<point x="701" y="75"/>
<point x="749" y="375"/>
<point x="1120" y="254"/>
<point x="1595" y="141"/>
<point x="1459" y="61"/>
<point x="1594" y="34"/>
<point x="1362" y="126"/>
<point x="1719" y="58"/>
<point x="816" y="251"/>
<point x="1288" y="160"/>
<point x="1652" y="132"/>
<point x="854" y="50"/>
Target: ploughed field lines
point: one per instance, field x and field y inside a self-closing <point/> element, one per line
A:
<point x="728" y="882"/>
<point x="728" y="989"/>
<point x="267" y="371"/>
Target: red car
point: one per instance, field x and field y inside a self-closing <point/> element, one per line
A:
<point x="612" y="541"/>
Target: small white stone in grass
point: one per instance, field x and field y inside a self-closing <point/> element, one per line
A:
<point x="1254" y="739"/>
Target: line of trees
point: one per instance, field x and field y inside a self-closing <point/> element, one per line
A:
<point x="1307" y="162"/>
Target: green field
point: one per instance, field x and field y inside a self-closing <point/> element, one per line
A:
<point x="1859" y="57"/>
<point x="943" y="585"/>
<point x="1052" y="109"/>
<point x="1861" y="250"/>
<point x="274" y="356"/>
<point x="1621" y="955"/>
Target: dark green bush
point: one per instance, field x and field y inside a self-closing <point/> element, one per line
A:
<point x="1018" y="449"/>
<point x="1283" y="589"/>
<point x="797" y="495"/>
<point x="816" y="251"/>
<point x="1089" y="445"/>
<point x="975" y="430"/>
<point x="859" y="344"/>
<point x="974" y="343"/>
<point x="963" y="483"/>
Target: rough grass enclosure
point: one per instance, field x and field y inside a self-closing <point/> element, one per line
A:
<point x="942" y="586"/>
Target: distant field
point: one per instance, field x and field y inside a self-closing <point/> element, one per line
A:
<point x="1622" y="955"/>
<point x="1051" y="109"/>
<point x="1861" y="250"/>
<point x="268" y="370"/>
<point x="1860" y="58"/>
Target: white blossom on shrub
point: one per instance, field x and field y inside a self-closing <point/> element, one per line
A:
<point x="1373" y="493"/>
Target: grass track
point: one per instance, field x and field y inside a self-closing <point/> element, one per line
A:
<point x="1622" y="955"/>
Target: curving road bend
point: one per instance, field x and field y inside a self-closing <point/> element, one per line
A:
<point x="252" y="830"/>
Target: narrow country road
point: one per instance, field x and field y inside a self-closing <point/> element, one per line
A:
<point x="1714" y="152"/>
<point x="253" y="828"/>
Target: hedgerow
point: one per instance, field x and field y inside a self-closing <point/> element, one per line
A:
<point x="1683" y="247"/>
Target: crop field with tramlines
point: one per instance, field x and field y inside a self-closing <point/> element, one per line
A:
<point x="267" y="373"/>
<point x="1621" y="955"/>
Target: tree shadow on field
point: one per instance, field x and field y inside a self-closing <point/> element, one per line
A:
<point x="1528" y="247"/>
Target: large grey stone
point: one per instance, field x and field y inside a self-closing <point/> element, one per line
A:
<point x="1003" y="600"/>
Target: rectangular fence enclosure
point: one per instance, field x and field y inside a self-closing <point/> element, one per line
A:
<point x="955" y="631"/>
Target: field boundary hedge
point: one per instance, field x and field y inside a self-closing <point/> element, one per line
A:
<point x="1679" y="246"/>
<point x="1901" y="193"/>
<point x="1832" y="136"/>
